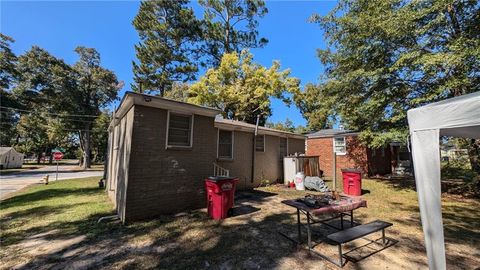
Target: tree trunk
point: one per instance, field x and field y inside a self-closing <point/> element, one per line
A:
<point x="86" y="147"/>
<point x="39" y="157"/>
<point x="473" y="148"/>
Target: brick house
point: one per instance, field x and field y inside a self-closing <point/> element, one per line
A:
<point x="161" y="150"/>
<point x="352" y="154"/>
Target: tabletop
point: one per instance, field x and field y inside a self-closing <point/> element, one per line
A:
<point x="344" y="204"/>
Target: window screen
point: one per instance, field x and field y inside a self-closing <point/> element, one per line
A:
<point x="225" y="144"/>
<point x="339" y="145"/>
<point x="260" y="143"/>
<point x="179" y="130"/>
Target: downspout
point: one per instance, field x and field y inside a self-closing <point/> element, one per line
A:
<point x="254" y="148"/>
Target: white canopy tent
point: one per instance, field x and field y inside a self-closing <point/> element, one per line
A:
<point x="457" y="117"/>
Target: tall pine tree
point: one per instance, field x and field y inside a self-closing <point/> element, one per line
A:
<point x="168" y="32"/>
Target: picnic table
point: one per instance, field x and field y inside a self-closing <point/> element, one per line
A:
<point x="335" y="209"/>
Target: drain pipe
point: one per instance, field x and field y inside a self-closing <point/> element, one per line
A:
<point x="254" y="148"/>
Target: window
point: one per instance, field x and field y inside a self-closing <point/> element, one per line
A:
<point x="179" y="132"/>
<point x="260" y="143"/>
<point x="225" y="144"/>
<point x="339" y="145"/>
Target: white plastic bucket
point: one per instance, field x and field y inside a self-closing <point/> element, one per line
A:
<point x="299" y="181"/>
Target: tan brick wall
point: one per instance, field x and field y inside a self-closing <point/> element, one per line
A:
<point x="296" y="146"/>
<point x="161" y="180"/>
<point x="356" y="156"/>
<point x="117" y="180"/>
<point x="241" y="165"/>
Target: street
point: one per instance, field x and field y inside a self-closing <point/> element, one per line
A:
<point x="13" y="182"/>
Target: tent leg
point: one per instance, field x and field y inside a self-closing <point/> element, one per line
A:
<point x="426" y="159"/>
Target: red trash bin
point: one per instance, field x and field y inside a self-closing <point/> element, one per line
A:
<point x="352" y="181"/>
<point x="220" y="195"/>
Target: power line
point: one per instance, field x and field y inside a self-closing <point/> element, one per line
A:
<point x="67" y="119"/>
<point x="61" y="115"/>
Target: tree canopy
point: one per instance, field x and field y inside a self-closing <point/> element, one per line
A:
<point x="242" y="89"/>
<point x="174" y="43"/>
<point x="389" y="56"/>
<point x="168" y="32"/>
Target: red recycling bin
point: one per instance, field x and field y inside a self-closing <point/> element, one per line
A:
<point x="352" y="181"/>
<point x="220" y="195"/>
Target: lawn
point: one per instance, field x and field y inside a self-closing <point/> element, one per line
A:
<point x="56" y="225"/>
<point x="25" y="167"/>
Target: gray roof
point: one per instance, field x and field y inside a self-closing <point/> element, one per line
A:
<point x="251" y="127"/>
<point x="325" y="133"/>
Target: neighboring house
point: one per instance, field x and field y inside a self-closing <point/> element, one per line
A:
<point x="10" y="159"/>
<point x="452" y="153"/>
<point x="160" y="152"/>
<point x="351" y="153"/>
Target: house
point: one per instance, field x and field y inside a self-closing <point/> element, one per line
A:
<point x="161" y="150"/>
<point x="351" y="153"/>
<point x="10" y="159"/>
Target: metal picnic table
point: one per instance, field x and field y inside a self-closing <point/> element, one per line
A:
<point x="338" y="209"/>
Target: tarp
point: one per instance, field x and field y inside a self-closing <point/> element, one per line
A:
<point x="457" y="117"/>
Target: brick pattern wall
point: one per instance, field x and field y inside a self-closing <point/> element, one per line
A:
<point x="241" y="165"/>
<point x="356" y="156"/>
<point x="161" y="180"/>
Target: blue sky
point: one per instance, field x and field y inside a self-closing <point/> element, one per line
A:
<point x="60" y="26"/>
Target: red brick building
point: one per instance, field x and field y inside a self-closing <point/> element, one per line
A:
<point x="351" y="153"/>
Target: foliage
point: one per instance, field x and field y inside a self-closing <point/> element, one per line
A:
<point x="57" y="99"/>
<point x="242" y="89"/>
<point x="178" y="92"/>
<point x="389" y="56"/>
<point x="167" y="30"/>
<point x="285" y="126"/>
<point x="100" y="136"/>
<point x="8" y="61"/>
<point x="96" y="87"/>
<point x="174" y="42"/>
<point x="230" y="26"/>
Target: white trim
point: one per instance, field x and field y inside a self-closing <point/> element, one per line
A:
<point x="345" y="142"/>
<point x="218" y="143"/>
<point x="192" y="119"/>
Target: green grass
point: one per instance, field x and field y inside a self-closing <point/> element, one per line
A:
<point x="25" y="167"/>
<point x="71" y="208"/>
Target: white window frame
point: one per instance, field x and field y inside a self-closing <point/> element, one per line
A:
<point x="218" y="144"/>
<point x="345" y="145"/>
<point x="264" y="145"/>
<point x="192" y="117"/>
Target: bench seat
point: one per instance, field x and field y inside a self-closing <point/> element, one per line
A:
<point x="359" y="231"/>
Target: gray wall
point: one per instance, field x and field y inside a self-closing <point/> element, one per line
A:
<point x="161" y="180"/>
<point x="119" y="161"/>
<point x="241" y="165"/>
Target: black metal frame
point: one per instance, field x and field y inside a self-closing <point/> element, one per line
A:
<point x="310" y="221"/>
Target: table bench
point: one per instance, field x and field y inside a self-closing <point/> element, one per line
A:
<point x="357" y="232"/>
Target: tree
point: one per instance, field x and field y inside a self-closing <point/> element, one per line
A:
<point x="389" y="56"/>
<point x="230" y="26"/>
<point x="315" y="106"/>
<point x="168" y="31"/>
<point x="33" y="129"/>
<point x="100" y="135"/>
<point x="8" y="61"/>
<point x="179" y="92"/>
<point x="242" y="89"/>
<point x="8" y="76"/>
<point x="285" y="126"/>
<point x="95" y="88"/>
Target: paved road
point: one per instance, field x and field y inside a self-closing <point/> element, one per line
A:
<point x="12" y="182"/>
